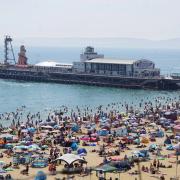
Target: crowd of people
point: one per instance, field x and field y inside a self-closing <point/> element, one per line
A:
<point x="113" y="136"/>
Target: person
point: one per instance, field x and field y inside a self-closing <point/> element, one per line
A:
<point x="50" y="168"/>
<point x="162" y="177"/>
<point x="151" y="167"/>
<point x="154" y="163"/>
<point x="147" y="169"/>
<point x="51" y="152"/>
<point x="101" y="175"/>
<point x="27" y="168"/>
<point x="53" y="169"/>
<point x="158" y="164"/>
<point x="125" y="157"/>
<point x="105" y="160"/>
<point x="143" y="168"/>
<point x="8" y="177"/>
<point x="1" y="155"/>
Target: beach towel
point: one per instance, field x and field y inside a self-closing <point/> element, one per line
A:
<point x="170" y="147"/>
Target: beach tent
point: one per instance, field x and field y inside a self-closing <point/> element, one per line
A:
<point x="56" y="127"/>
<point x="20" y="147"/>
<point x="170" y="147"/>
<point x="137" y="141"/>
<point x="70" y="158"/>
<point x="177" y="129"/>
<point x="15" y="159"/>
<point x="41" y="176"/>
<point x="177" y="147"/>
<point x="141" y="153"/>
<point x="75" y="128"/>
<point x="26" y="158"/>
<point x="170" y="115"/>
<point x="34" y="147"/>
<point x="159" y="133"/>
<point x="50" y="128"/>
<point x="177" y="122"/>
<point x="2" y="171"/>
<point x="167" y="141"/>
<point x="153" y="147"/>
<point x="6" y="136"/>
<point x="40" y="163"/>
<point x="1" y="142"/>
<point x="7" y="130"/>
<point x="31" y="130"/>
<point x="82" y="151"/>
<point x="44" y="147"/>
<point x="24" y="131"/>
<point x="74" y="146"/>
<point x="145" y="140"/>
<point x="153" y="124"/>
<point x="2" y="163"/>
<point x="121" y="132"/>
<point x="103" y="132"/>
<point x="8" y="146"/>
<point x="135" y="124"/>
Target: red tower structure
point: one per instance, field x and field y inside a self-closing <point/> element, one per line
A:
<point x="22" y="60"/>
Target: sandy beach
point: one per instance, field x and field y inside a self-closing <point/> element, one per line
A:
<point x="146" y="142"/>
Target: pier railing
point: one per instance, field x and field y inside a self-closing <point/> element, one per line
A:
<point x="66" y="71"/>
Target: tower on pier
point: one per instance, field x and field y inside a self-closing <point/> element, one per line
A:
<point x="22" y="60"/>
<point x="8" y="51"/>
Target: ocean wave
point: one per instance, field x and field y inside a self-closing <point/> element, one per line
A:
<point x="14" y="83"/>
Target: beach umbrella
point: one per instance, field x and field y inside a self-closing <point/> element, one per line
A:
<point x="35" y="156"/>
<point x="170" y="147"/>
<point x="153" y="147"/>
<point x="2" y="171"/>
<point x="45" y="147"/>
<point x="74" y="146"/>
<point x="20" y="147"/>
<point x="34" y="147"/>
<point x="7" y="136"/>
<point x="56" y="126"/>
<point x="134" y="124"/>
<point x="40" y="176"/>
<point x="177" y="122"/>
<point x="153" y="124"/>
<point x="2" y="163"/>
<point x="45" y="131"/>
<point x="55" y="131"/>
<point x="177" y="147"/>
<point x="31" y="129"/>
<point x="82" y="151"/>
<point x="7" y="130"/>
<point x="47" y="127"/>
<point x="8" y="146"/>
<point x="24" y="131"/>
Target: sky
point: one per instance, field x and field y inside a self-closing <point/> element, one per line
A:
<point x="146" y="19"/>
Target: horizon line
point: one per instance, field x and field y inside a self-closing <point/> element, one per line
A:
<point x="117" y="37"/>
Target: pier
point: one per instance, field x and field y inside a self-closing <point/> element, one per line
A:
<point x="93" y="80"/>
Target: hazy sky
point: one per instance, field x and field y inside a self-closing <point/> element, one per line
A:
<point x="150" y="19"/>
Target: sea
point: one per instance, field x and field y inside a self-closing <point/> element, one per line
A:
<point x="39" y="97"/>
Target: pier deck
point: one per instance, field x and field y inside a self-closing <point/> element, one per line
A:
<point x="93" y="80"/>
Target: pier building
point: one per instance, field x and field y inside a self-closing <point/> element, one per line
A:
<point x="97" y="64"/>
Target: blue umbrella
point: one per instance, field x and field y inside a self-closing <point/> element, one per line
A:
<point x="40" y="176"/>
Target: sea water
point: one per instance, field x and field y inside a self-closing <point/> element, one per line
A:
<point x="41" y="96"/>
